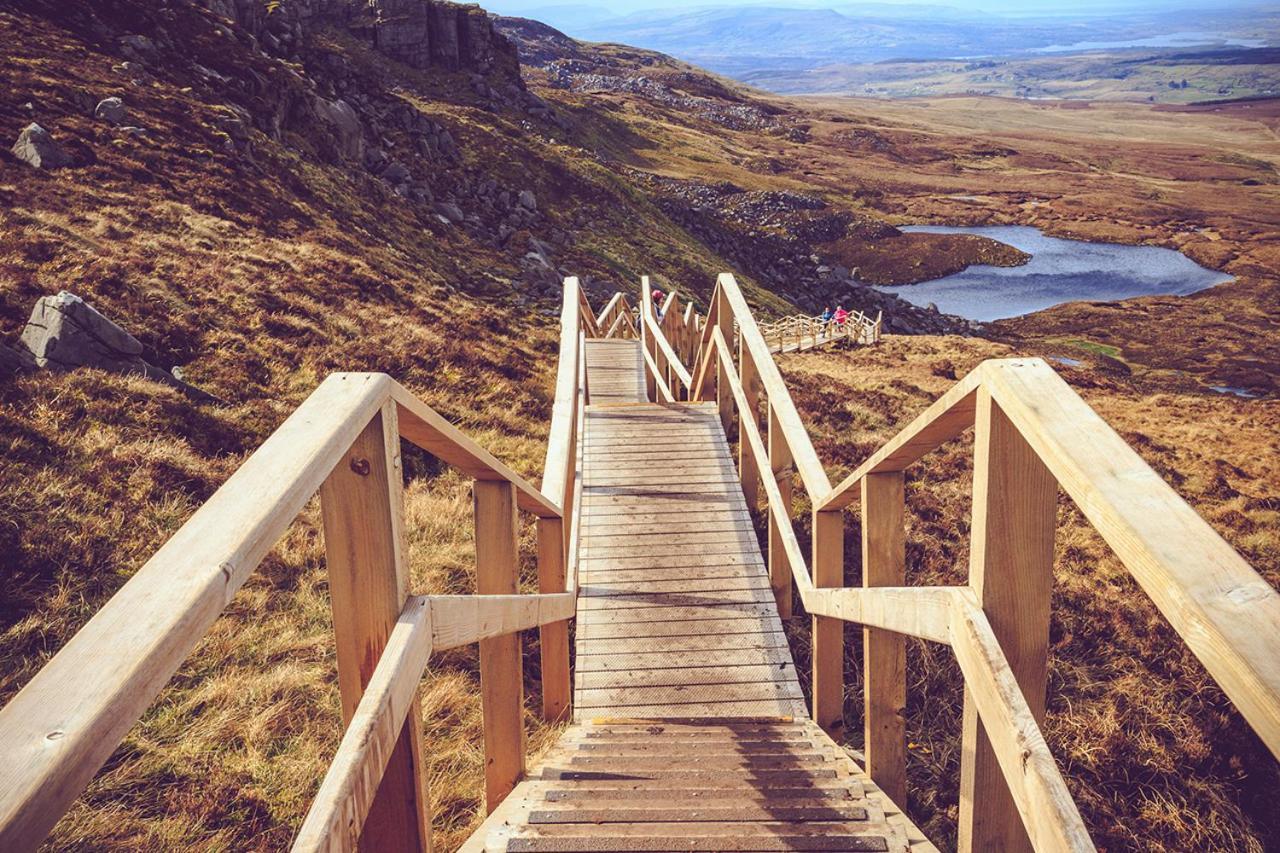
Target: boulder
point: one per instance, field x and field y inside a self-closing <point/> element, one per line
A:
<point x="36" y="147"/>
<point x="65" y="332"/>
<point x="528" y="200"/>
<point x="111" y="110"/>
<point x="396" y="173"/>
<point x="348" y="131"/>
<point x="449" y="211"/>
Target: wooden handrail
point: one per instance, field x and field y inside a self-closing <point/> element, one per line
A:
<point x="805" y="458"/>
<point x="557" y="466"/>
<point x="60" y="728"/>
<point x="1228" y="615"/>
<point x="427" y="624"/>
<point x="947" y="615"/>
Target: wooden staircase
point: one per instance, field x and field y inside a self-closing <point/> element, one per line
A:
<point x="692" y="730"/>
<point x="687" y="728"/>
<point x="732" y="784"/>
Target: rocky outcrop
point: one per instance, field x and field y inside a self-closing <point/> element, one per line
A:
<point x="65" y="332"/>
<point x="420" y="33"/>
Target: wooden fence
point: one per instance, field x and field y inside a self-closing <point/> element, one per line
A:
<point x="802" y="332"/>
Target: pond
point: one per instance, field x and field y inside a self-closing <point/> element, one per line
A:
<point x="1059" y="271"/>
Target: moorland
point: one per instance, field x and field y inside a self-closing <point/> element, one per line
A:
<point x="246" y="237"/>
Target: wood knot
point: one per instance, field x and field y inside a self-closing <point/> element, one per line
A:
<point x="360" y="466"/>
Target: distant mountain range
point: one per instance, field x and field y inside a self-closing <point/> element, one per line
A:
<point x="763" y="44"/>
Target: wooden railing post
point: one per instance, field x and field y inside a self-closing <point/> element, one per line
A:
<point x="1011" y="573"/>
<point x="553" y="638"/>
<point x="361" y="507"/>
<point x="724" y="394"/>
<point x="748" y="470"/>
<point x="884" y="561"/>
<point x="779" y="567"/>
<point x="501" y="672"/>
<point x="828" y="632"/>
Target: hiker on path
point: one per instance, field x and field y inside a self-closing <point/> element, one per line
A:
<point x="841" y="316"/>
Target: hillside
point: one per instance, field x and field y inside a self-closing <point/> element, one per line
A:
<point x="310" y="190"/>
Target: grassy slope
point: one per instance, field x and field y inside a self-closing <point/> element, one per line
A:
<point x="1154" y="754"/>
<point x="262" y="279"/>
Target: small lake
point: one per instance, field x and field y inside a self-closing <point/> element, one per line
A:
<point x="1185" y="39"/>
<point x="1059" y="271"/>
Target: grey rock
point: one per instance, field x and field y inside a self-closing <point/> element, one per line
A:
<point x="36" y="147"/>
<point x="111" y="110"/>
<point x="450" y="211"/>
<point x="375" y="160"/>
<point x="396" y="173"/>
<point x="65" y="331"/>
<point x="136" y="45"/>
<point x="348" y="130"/>
<point x="15" y="361"/>
<point x="528" y="200"/>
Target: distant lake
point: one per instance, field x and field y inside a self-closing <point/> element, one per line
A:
<point x="1059" y="271"/>
<point x="1181" y="39"/>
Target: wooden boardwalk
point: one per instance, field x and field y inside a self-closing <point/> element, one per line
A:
<point x="615" y="371"/>
<point x="675" y="613"/>
<point x="691" y="728"/>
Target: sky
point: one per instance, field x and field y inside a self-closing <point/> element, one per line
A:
<point x="597" y="10"/>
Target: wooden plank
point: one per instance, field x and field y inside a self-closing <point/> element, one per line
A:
<point x="828" y="634"/>
<point x="655" y="616"/>
<point x="884" y="654"/>
<point x="1227" y="614"/>
<point x="501" y="678"/>
<point x="620" y="700"/>
<point x="1048" y="815"/>
<point x="421" y="425"/>
<point x="747" y="466"/>
<point x="806" y="459"/>
<point x="553" y="638"/>
<point x="1011" y="574"/>
<point x="361" y="507"/>
<point x="948" y="416"/>
<point x="684" y="560"/>
<point x="657" y="576"/>
<point x="913" y="611"/>
<point x="657" y="601"/>
<point x="779" y="513"/>
<point x="60" y="728"/>
<point x="642" y="525"/>
<point x="680" y="644"/>
<point x="460" y="620"/>
<point x="592" y="588"/>
<point x="557" y="467"/>
<point x="768" y="656"/>
<point x="684" y="676"/>
<point x="346" y="797"/>
<point x="741" y="628"/>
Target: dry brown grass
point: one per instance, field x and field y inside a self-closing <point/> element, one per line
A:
<point x="1154" y="754"/>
